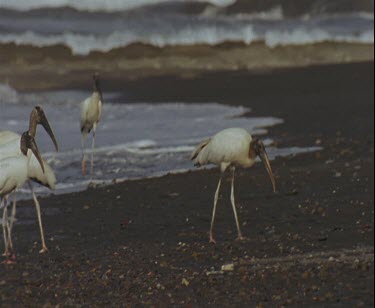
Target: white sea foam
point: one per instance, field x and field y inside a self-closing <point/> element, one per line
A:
<point x="94" y="5"/>
<point x="8" y="94"/>
<point x="81" y="44"/>
<point x="133" y="140"/>
<point x="306" y="36"/>
<point x="275" y="13"/>
<point x="84" y="44"/>
<point x="84" y="32"/>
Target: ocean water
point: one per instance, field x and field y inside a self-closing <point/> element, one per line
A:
<point x="94" y="25"/>
<point x="96" y="5"/>
<point x="134" y="141"/>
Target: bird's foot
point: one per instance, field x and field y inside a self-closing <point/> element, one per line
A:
<point x="240" y="238"/>
<point x="43" y="250"/>
<point x="11" y="259"/>
<point x="212" y="240"/>
<point x="6" y="254"/>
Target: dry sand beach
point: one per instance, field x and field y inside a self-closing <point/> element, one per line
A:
<point x="144" y="241"/>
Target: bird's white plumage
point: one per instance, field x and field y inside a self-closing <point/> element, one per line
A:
<point x="35" y="172"/>
<point x="91" y="111"/>
<point x="229" y="146"/>
<point x="13" y="173"/>
<point x="16" y="168"/>
<point x="7" y="136"/>
<point x="11" y="148"/>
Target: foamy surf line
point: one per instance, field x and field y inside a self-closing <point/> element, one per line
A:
<point x="66" y="188"/>
<point x="84" y="32"/>
<point x="134" y="141"/>
<point x="96" y="5"/>
<point x="85" y="44"/>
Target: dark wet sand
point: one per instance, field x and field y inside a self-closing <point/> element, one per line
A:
<point x="146" y="242"/>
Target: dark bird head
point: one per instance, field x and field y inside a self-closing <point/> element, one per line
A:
<point x="97" y="88"/>
<point x="38" y="116"/>
<point x="28" y="142"/>
<point x="257" y="148"/>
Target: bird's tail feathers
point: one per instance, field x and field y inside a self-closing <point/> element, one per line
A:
<point x="198" y="149"/>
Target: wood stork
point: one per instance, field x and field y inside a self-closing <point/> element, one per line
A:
<point x="91" y="110"/>
<point x="13" y="175"/>
<point x="45" y="178"/>
<point x="9" y="146"/>
<point x="232" y="147"/>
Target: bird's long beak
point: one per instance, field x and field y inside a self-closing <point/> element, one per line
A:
<point x="38" y="117"/>
<point x="44" y="122"/>
<point x="34" y="148"/>
<point x="264" y="157"/>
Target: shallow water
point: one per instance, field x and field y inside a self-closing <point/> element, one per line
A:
<point x="133" y="140"/>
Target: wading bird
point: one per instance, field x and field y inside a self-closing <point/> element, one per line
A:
<point x="45" y="178"/>
<point x="9" y="146"/>
<point x="232" y="147"/>
<point x="13" y="175"/>
<point x="91" y="110"/>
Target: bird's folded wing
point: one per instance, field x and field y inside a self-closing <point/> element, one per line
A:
<point x="199" y="148"/>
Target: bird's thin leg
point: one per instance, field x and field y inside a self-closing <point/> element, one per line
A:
<point x="37" y="205"/>
<point x="9" y="259"/>
<point x="84" y="135"/>
<point x="13" y="216"/>
<point x="4" y="228"/>
<point x="10" y="228"/>
<point x="212" y="240"/>
<point x="10" y="223"/>
<point x="240" y="237"/>
<point x="5" y="231"/>
<point x="93" y="148"/>
<point x="9" y="239"/>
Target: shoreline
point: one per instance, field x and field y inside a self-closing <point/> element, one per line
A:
<point x="145" y="241"/>
<point x="28" y="68"/>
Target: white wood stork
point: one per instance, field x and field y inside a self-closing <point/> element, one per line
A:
<point x="45" y="178"/>
<point x="91" y="111"/>
<point x="232" y="147"/>
<point x="9" y="146"/>
<point x="13" y="175"/>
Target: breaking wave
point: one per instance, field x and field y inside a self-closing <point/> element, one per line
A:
<point x="84" y="44"/>
<point x="95" y="5"/>
<point x="94" y="25"/>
